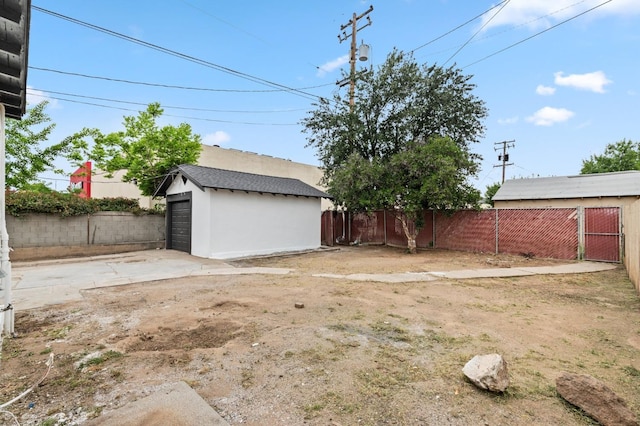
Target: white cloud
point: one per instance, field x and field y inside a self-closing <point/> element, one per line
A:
<point x="36" y="96"/>
<point x="332" y="65"/>
<point x="507" y="121"/>
<point x="216" y="138"/>
<point x="537" y="14"/>
<point x="549" y="116"/>
<point x="593" y="81"/>
<point x="545" y="90"/>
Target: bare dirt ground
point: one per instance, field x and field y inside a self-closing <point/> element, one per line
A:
<point x="358" y="353"/>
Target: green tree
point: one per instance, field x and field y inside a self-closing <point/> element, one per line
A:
<point x="490" y="192"/>
<point x="617" y="157"/>
<point x="145" y="151"/>
<point x="26" y="153"/>
<point x="405" y="143"/>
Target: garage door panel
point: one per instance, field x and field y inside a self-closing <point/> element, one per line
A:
<point x="179" y="237"/>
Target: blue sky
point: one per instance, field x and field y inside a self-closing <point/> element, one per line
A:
<point x="561" y="95"/>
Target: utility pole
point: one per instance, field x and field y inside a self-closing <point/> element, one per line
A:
<point x="504" y="157"/>
<point x="353" y="23"/>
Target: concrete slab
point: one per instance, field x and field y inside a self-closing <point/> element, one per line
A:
<point x="41" y="283"/>
<point x="572" y="268"/>
<point x="176" y="405"/>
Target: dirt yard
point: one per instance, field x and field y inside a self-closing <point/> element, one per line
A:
<point x="357" y="353"/>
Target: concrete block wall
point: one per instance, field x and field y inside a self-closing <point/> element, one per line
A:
<point x="42" y="230"/>
<point x="120" y="227"/>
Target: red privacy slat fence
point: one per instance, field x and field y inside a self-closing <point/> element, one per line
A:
<point x="562" y="233"/>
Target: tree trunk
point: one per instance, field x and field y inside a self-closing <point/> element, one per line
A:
<point x="411" y="236"/>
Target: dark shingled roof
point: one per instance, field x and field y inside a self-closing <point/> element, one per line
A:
<point x="209" y="177"/>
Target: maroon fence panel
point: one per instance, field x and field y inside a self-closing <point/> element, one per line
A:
<point x="602" y="234"/>
<point x="394" y="232"/>
<point x="425" y="236"/>
<point x="368" y="228"/>
<point x="466" y="230"/>
<point x="547" y="233"/>
<point x="326" y="228"/>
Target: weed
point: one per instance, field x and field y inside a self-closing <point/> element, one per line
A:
<point x="101" y="359"/>
<point x="59" y="333"/>
<point x="247" y="378"/>
<point x="631" y="371"/>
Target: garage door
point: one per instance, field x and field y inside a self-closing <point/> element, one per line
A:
<point x="179" y="222"/>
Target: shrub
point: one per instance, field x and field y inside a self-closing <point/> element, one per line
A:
<point x="25" y="202"/>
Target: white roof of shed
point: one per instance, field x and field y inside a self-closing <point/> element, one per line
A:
<point x="618" y="184"/>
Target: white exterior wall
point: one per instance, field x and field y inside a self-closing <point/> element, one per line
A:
<point x="253" y="224"/>
<point x="227" y="224"/>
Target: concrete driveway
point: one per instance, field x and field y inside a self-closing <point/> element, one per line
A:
<point x="40" y="283"/>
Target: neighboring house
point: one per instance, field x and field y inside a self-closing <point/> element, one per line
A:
<point x="222" y="158"/>
<point x="592" y="190"/>
<point x="221" y="214"/>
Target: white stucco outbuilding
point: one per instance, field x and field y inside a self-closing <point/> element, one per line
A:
<point x="222" y="214"/>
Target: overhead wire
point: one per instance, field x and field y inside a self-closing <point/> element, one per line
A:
<point x="504" y="4"/>
<point x="537" y="34"/>
<point x="180" y="55"/>
<point x="172" y="115"/>
<point x="170" y="86"/>
<point x="458" y="27"/>
<point x="33" y="89"/>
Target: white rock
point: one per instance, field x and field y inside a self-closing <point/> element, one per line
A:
<point x="488" y="372"/>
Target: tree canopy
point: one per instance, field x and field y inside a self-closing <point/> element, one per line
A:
<point x="143" y="150"/>
<point x="490" y="192"/>
<point x="27" y="152"/>
<point x="617" y="157"/>
<point x="405" y="143"/>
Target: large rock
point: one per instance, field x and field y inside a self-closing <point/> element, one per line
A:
<point x="488" y="372"/>
<point x="595" y="399"/>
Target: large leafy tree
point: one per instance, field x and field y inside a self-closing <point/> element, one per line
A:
<point x="404" y="145"/>
<point x="28" y="151"/>
<point x="617" y="157"/>
<point x="144" y="150"/>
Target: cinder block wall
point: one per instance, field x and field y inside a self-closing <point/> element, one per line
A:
<point x="119" y="227"/>
<point x="42" y="230"/>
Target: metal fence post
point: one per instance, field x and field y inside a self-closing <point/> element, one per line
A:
<point x="580" y="217"/>
<point x="497" y="233"/>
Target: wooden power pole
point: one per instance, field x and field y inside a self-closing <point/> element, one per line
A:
<point x="504" y="157"/>
<point x="353" y="23"/>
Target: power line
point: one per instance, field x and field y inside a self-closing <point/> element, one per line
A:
<point x="537" y="34"/>
<point x="497" y="33"/>
<point x="180" y="55"/>
<point x="458" y="27"/>
<point x="505" y="3"/>
<point x="169" y="86"/>
<point x="171" y="115"/>
<point x="32" y="89"/>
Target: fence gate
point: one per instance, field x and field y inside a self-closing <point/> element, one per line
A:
<point x="602" y="234"/>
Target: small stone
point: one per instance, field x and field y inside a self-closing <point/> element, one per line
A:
<point x="299" y="305"/>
